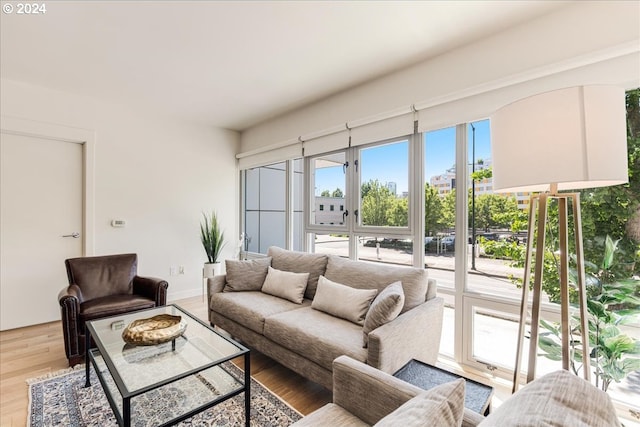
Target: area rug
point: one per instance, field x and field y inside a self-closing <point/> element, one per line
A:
<point x="62" y="400"/>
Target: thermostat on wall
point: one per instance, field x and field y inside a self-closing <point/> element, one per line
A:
<point x="118" y="223"/>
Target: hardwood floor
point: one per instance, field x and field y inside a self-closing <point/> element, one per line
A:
<point x="38" y="350"/>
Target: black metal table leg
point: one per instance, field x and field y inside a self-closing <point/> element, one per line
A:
<point x="126" y="411"/>
<point x="247" y="390"/>
<point x="87" y="361"/>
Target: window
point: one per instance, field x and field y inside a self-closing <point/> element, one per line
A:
<point x="384" y="171"/>
<point x="268" y="220"/>
<point x="331" y="208"/>
<point x="328" y="182"/>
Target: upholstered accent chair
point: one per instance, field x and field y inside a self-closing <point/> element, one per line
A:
<point x="103" y="286"/>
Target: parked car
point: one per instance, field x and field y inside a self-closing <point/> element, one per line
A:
<point x="440" y="244"/>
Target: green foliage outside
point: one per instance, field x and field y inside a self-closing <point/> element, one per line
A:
<point x="380" y="207"/>
<point x="611" y="302"/>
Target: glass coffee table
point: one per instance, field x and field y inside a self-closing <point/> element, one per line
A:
<point x="171" y="381"/>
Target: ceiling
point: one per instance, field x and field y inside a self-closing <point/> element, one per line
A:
<point x="233" y="64"/>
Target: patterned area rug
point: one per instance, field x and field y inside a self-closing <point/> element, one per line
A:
<point x="62" y="400"/>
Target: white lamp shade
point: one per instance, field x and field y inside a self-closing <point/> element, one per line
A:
<point x="575" y="138"/>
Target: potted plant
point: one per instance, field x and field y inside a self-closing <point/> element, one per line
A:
<point x="212" y="239"/>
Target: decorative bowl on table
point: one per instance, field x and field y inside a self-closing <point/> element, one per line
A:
<point x="154" y="330"/>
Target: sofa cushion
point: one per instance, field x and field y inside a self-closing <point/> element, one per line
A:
<point x="285" y="284"/>
<point x="559" y="399"/>
<point x="250" y="308"/>
<point x="299" y="262"/>
<point x="384" y="308"/>
<point x="440" y="406"/>
<point x="246" y="275"/>
<point x="367" y="275"/>
<point x="343" y="301"/>
<point x="320" y="337"/>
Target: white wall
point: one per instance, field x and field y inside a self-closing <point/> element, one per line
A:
<point x="582" y="43"/>
<point x="156" y="173"/>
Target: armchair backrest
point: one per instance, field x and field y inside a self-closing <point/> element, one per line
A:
<point x="103" y="275"/>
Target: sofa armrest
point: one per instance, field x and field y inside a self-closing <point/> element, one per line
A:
<point x="366" y="392"/>
<point x="152" y="288"/>
<point x="414" y="334"/>
<point x="215" y="285"/>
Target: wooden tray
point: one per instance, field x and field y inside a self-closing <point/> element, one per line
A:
<point x="154" y="330"/>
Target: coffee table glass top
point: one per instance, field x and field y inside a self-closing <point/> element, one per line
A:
<point x="139" y="367"/>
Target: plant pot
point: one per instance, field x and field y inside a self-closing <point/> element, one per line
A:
<point x="211" y="269"/>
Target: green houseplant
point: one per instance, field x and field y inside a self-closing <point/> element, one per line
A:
<point x="212" y="238"/>
<point x="612" y="302"/>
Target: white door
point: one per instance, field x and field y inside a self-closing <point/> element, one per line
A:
<point x="40" y="202"/>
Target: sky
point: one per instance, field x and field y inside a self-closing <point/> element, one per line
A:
<point x="388" y="163"/>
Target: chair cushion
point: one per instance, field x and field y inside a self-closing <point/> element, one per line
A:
<point x="330" y="415"/>
<point x="343" y="301"/>
<point x="285" y="284"/>
<point x="440" y="406"/>
<point x="384" y="308"/>
<point x="251" y="308"/>
<point x="299" y="262"/>
<point x="556" y="399"/>
<point x="103" y="275"/>
<point x="319" y="336"/>
<point x="112" y="305"/>
<point x="246" y="275"/>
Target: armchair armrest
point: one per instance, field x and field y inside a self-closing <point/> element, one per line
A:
<point x="366" y="392"/>
<point x="414" y="334"/>
<point x="151" y="287"/>
<point x="69" y="299"/>
<point x="471" y="418"/>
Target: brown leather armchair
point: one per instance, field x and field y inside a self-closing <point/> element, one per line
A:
<point x="103" y="286"/>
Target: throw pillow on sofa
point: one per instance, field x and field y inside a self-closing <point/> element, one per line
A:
<point x="384" y="308"/>
<point x="246" y="275"/>
<point x="343" y="301"/>
<point x="285" y="284"/>
<point x="441" y="406"/>
<point x="299" y="262"/>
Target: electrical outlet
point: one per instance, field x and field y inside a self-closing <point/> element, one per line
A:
<point x="173" y="271"/>
<point x="181" y="269"/>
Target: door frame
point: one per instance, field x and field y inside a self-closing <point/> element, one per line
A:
<point x="85" y="137"/>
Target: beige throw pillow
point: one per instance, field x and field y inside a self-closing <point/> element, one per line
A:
<point x="384" y="309"/>
<point x="246" y="275"/>
<point x="343" y="301"/>
<point x="285" y="284"/>
<point x="556" y="399"/>
<point x="441" y="406"/>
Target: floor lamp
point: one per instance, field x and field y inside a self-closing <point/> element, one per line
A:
<point x="566" y="139"/>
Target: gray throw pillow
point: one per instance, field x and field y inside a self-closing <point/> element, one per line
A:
<point x="285" y="284"/>
<point x="246" y="275"/>
<point x="441" y="406"/>
<point x="343" y="301"/>
<point x="384" y="309"/>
